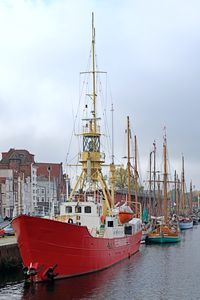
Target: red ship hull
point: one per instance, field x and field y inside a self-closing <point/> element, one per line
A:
<point x="67" y="249"/>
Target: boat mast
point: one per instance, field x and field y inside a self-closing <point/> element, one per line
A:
<point x="135" y="176"/>
<point x="178" y="195"/>
<point x="165" y="180"/>
<point x="129" y="163"/>
<point x="93" y="74"/>
<point x="191" y="196"/>
<point x="112" y="165"/>
<point x="159" y="198"/>
<point x="150" y="201"/>
<point x="183" y="186"/>
<point x="154" y="177"/>
<point x="175" y="192"/>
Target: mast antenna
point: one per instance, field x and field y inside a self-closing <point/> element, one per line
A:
<point x="112" y="113"/>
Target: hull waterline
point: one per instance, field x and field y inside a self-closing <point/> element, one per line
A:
<point x="162" y="239"/>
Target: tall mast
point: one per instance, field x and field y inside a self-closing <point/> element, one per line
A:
<point x="178" y="195"/>
<point x="150" y="202"/>
<point x="93" y="74"/>
<point x="129" y="163"/>
<point x="112" y="166"/>
<point x="159" y="198"/>
<point x="135" y="176"/>
<point x="183" y="185"/>
<point x="91" y="158"/>
<point x="154" y="175"/>
<point x="112" y="111"/>
<point x="191" y="196"/>
<point x="175" y="192"/>
<point x="165" y="180"/>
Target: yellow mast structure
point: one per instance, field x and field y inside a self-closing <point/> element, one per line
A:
<point x="91" y="158"/>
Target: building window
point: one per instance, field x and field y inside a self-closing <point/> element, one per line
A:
<point x="42" y="191"/>
<point x="88" y="209"/>
<point x="42" y="199"/>
<point x="68" y="209"/>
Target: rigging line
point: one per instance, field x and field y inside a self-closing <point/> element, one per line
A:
<point x="78" y="108"/>
<point x="104" y="105"/>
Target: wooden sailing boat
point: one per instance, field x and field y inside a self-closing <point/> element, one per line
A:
<point x="185" y="221"/>
<point x="164" y="232"/>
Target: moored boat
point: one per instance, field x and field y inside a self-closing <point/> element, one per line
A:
<point x="185" y="223"/>
<point x="165" y="232"/>
<point x="88" y="235"/>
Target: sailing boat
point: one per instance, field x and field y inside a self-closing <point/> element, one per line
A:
<point x="87" y="236"/>
<point x="165" y="232"/>
<point x="185" y="222"/>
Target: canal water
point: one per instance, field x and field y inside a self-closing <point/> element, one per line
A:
<point x="167" y="272"/>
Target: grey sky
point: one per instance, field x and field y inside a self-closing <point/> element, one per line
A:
<point x="150" y="50"/>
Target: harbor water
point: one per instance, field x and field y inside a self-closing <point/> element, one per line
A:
<point x="155" y="272"/>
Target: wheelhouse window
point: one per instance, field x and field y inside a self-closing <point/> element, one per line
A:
<point x="68" y="209"/>
<point x="88" y="209"/>
<point x="78" y="209"/>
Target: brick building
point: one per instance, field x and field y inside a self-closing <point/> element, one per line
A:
<point x="18" y="168"/>
<point x="29" y="187"/>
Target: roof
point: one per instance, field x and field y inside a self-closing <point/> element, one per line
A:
<point x="22" y="155"/>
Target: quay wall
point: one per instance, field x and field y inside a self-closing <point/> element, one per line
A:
<point x="10" y="257"/>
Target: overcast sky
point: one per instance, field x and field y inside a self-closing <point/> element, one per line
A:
<point x="150" y="50"/>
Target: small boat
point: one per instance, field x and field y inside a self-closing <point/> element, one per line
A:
<point x="165" y="232"/>
<point x="185" y="223"/>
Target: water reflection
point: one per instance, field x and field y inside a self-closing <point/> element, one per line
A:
<point x="156" y="272"/>
<point x="92" y="286"/>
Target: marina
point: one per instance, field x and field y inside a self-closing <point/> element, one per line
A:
<point x="155" y="272"/>
<point x="113" y="220"/>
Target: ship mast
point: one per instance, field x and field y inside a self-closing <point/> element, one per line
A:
<point x="165" y="180"/>
<point x="135" y="176"/>
<point x="93" y="74"/>
<point x="183" y="186"/>
<point x="191" y="196"/>
<point x="129" y="163"/>
<point x="112" y="165"/>
<point x="91" y="158"/>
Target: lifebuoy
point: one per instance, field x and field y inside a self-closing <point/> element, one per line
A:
<point x="70" y="221"/>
